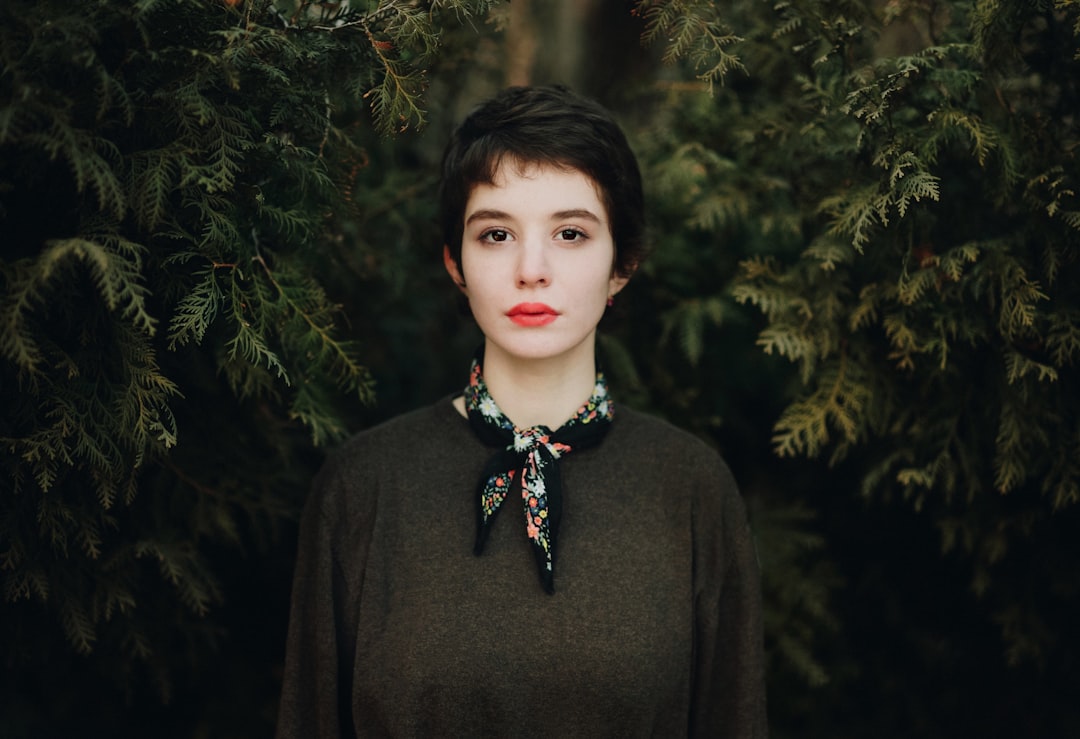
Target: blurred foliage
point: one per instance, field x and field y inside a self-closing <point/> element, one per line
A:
<point x="175" y="180"/>
<point x="898" y="182"/>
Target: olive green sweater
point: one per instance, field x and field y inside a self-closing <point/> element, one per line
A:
<point x="399" y="630"/>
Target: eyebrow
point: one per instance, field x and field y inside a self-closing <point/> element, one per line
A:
<point x="499" y="215"/>
<point x="577" y="213"/>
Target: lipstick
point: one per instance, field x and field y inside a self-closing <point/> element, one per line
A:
<point x="532" y="314"/>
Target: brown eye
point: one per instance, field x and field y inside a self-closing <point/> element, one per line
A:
<point x="571" y="234"/>
<point x="495" y="235"/>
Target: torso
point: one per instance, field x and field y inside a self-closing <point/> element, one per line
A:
<point x="453" y="644"/>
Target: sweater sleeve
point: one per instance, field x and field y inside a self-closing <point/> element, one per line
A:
<point x="316" y="698"/>
<point x="728" y="697"/>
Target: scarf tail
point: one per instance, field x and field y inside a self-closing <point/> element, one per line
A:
<point x="501" y="464"/>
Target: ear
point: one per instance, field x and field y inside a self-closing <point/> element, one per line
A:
<point x="617" y="283"/>
<point x="452" y="268"/>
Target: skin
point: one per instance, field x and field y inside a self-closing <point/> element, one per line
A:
<point x="537" y="236"/>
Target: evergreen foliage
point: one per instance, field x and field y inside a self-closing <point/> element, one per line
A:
<point x="173" y="179"/>
<point x="863" y="290"/>
<point x="900" y="183"/>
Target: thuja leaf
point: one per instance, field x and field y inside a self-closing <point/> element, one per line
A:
<point x="114" y="264"/>
<point x="197" y="310"/>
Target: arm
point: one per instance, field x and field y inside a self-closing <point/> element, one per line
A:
<point x="316" y="697"/>
<point x="729" y="665"/>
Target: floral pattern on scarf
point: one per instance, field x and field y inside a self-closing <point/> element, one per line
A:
<point x="529" y="462"/>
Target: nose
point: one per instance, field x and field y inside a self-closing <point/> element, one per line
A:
<point x="533" y="267"/>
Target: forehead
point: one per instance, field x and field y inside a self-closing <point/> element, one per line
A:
<point x="534" y="186"/>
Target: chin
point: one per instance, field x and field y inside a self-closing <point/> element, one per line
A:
<point x="539" y="348"/>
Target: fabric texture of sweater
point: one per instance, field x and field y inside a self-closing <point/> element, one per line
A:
<point x="398" y="630"/>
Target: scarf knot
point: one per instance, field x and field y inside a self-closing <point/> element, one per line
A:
<point x="532" y="439"/>
<point x="528" y="463"/>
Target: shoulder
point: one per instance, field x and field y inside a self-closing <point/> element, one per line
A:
<point x="644" y="425"/>
<point x="424" y="430"/>
<point x="653" y="459"/>
<point x="657" y="441"/>
<point x="364" y="460"/>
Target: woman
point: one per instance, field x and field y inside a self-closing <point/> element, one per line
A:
<point x="619" y="595"/>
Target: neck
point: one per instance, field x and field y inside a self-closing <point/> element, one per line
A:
<point x="537" y="392"/>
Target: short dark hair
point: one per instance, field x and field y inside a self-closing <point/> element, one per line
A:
<point x="551" y="126"/>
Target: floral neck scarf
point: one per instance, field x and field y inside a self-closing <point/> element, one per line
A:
<point x="529" y="463"/>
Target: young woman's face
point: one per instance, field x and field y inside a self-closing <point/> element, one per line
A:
<point x="536" y="262"/>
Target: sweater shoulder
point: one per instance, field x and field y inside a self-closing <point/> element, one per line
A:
<point x="353" y="471"/>
<point x="398" y="437"/>
<point x="646" y="441"/>
<point x="639" y="428"/>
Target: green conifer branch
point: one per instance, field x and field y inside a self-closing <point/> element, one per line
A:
<point x="251" y="323"/>
<point x="984" y="139"/>
<point x="143" y="402"/>
<point x="1019" y="298"/>
<point x="856" y="213"/>
<point x="198" y="309"/>
<point x="1063" y="338"/>
<point x="149" y="151"/>
<point x="115" y="266"/>
<point x="307" y="303"/>
<point x="179" y="563"/>
<point x="838" y="401"/>
<point x="152" y="178"/>
<point x="77" y="625"/>
<point x="694" y="31"/>
<point x="688" y="319"/>
<point x="92" y="160"/>
<point x="1010" y="454"/>
<point x="830" y="252"/>
<point x="799" y="595"/>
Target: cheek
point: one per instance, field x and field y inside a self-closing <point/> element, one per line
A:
<point x="478" y="284"/>
<point x="468" y="270"/>
<point x="601" y="278"/>
<point x="592" y="295"/>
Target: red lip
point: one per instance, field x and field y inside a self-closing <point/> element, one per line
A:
<point x="532" y="314"/>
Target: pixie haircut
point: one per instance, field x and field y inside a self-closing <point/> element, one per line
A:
<point x="548" y="126"/>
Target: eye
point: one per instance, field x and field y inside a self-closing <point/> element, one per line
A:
<point x="495" y="235"/>
<point x="572" y="234"/>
